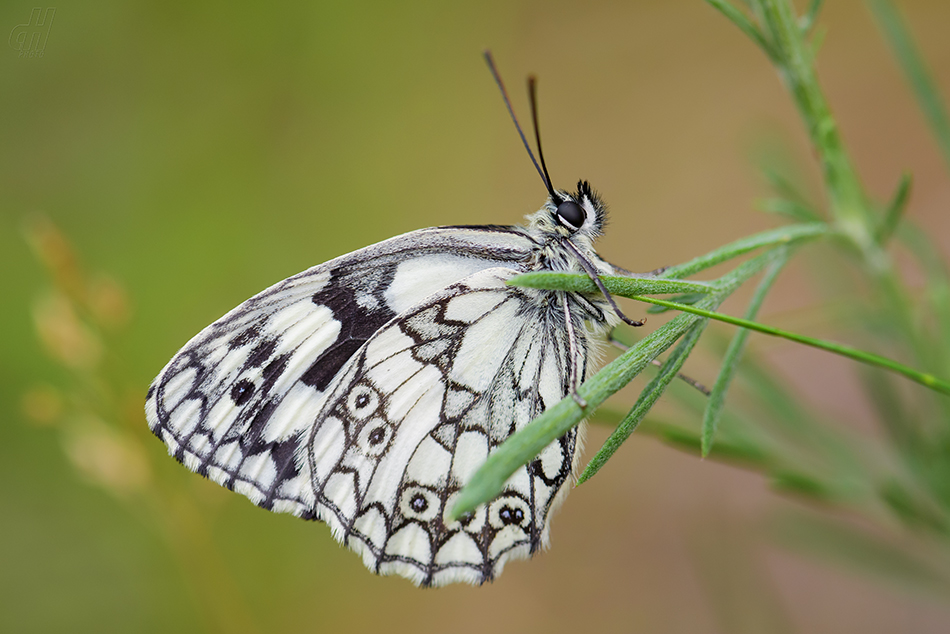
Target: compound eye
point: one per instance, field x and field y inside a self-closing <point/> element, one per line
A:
<point x="570" y="214"/>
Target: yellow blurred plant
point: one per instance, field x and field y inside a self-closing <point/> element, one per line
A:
<point x="101" y="421"/>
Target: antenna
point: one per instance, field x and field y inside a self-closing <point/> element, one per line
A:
<point x="504" y="93"/>
<point x="555" y="199"/>
<point x="533" y="98"/>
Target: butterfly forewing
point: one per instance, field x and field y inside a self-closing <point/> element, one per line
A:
<point x="250" y="383"/>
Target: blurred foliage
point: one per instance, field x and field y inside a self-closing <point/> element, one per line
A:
<point x="905" y="478"/>
<point x="896" y="485"/>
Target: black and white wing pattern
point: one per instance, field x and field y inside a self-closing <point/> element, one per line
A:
<point x="366" y="391"/>
<point x="259" y="375"/>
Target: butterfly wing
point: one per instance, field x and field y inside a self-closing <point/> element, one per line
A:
<point x="234" y="401"/>
<point x="365" y="392"/>
<point x="420" y="408"/>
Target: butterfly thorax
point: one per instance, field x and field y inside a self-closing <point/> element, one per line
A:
<point x="561" y="245"/>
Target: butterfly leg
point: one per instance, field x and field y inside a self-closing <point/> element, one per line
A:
<point x="595" y="277"/>
<point x="613" y="304"/>
<point x="572" y="343"/>
<point x="682" y="377"/>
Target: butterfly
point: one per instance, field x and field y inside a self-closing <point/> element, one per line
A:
<point x="366" y="391"/>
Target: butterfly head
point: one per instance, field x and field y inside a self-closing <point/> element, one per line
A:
<point x="579" y="216"/>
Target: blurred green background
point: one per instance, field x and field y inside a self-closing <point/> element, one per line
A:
<point x="191" y="154"/>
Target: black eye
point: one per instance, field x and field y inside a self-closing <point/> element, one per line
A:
<point x="570" y="214"/>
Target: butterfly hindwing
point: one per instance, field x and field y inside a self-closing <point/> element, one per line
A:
<point x="418" y="410"/>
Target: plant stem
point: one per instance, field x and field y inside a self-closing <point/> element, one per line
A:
<point x="923" y="378"/>
<point x="795" y="63"/>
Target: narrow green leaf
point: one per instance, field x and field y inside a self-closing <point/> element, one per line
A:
<point x="744" y="23"/>
<point x="795" y="482"/>
<point x="619" y="285"/>
<point x="645" y="403"/>
<point x="913" y="510"/>
<point x="938" y="284"/>
<point x="788" y="208"/>
<point x="796" y="68"/>
<point x="807" y="21"/>
<point x="666" y="282"/>
<point x="895" y="210"/>
<point x="785" y="188"/>
<point x="688" y="441"/>
<point x="783" y="235"/>
<point x="817" y="39"/>
<point x="739" y="275"/>
<point x="911" y="62"/>
<point x="693" y="383"/>
<point x="717" y="396"/>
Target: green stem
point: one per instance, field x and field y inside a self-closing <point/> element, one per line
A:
<point x="730" y="361"/>
<point x="895" y="210"/>
<point x="797" y="70"/>
<point x="923" y="378"/>
<point x="645" y="403"/>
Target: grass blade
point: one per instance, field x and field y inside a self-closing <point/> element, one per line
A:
<point x="645" y="403"/>
<point x="623" y="286"/>
<point x="744" y="23"/>
<point x="782" y="235"/>
<point x="788" y="208"/>
<point x="895" y="210"/>
<point x="807" y="21"/>
<point x="916" y="71"/>
<point x="717" y="396"/>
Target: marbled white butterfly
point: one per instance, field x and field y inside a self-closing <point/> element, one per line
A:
<point x="365" y="391"/>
